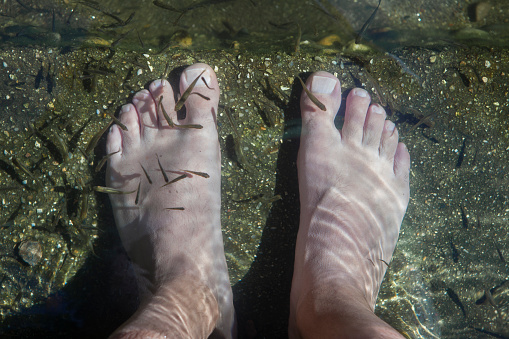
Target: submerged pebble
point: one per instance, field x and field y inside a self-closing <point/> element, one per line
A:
<point x="30" y="251"/>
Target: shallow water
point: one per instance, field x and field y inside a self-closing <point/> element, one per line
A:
<point x="440" y="68"/>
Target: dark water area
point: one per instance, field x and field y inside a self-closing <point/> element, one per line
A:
<point x="439" y="68"/>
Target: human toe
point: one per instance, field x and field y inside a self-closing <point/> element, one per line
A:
<point x="389" y="140"/>
<point x="374" y="126"/>
<point x="114" y="140"/>
<point x="357" y="104"/>
<point x="202" y="99"/>
<point x="145" y="107"/>
<point x="402" y="162"/>
<point x="325" y="99"/>
<point x="130" y="138"/>
<point x="162" y="94"/>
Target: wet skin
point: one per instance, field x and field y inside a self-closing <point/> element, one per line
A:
<point x="353" y="190"/>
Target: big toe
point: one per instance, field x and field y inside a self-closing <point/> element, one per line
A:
<point x="320" y="105"/>
<point x="200" y="90"/>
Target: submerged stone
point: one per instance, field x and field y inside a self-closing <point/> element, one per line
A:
<point x="30" y="252"/>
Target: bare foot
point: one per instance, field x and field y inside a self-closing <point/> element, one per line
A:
<point x="354" y="190"/>
<point x="172" y="233"/>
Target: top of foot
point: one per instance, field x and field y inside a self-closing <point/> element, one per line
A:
<point x="170" y="223"/>
<point x="354" y="190"/>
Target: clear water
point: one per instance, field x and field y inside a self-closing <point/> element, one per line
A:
<point x="440" y="68"/>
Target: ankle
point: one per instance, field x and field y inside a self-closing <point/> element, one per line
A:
<point x="181" y="308"/>
<point x="329" y="313"/>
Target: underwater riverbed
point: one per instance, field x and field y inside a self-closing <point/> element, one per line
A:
<point x="441" y="70"/>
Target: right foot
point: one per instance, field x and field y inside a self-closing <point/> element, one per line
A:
<point x="172" y="234"/>
<point x="354" y="190"/>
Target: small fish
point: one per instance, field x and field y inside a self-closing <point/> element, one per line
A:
<point x="162" y="170"/>
<point x="489" y="297"/>
<point x="464" y="218"/>
<point x="311" y="96"/>
<point x="474" y="161"/>
<point x="201" y="174"/>
<point x="297" y="42"/>
<point x="237" y="144"/>
<point x="406" y="69"/>
<point x="424" y="120"/>
<point x="60" y="145"/>
<point x="121" y="23"/>
<point x="115" y="119"/>
<point x="492" y="334"/>
<point x="9" y="188"/>
<point x="180" y="177"/>
<point x="139" y="38"/>
<point x="463" y="77"/>
<point x="103" y="161"/>
<point x="165" y="74"/>
<point x="462" y="154"/>
<point x="166" y="6"/>
<point x="274" y="198"/>
<point x="205" y="82"/>
<point x="455" y="253"/>
<point x="95" y="139"/>
<point x="252" y="198"/>
<point x="137" y="194"/>
<point x="95" y="5"/>
<point x="193" y="126"/>
<point x="267" y="118"/>
<point x="175" y="208"/>
<point x="53" y="28"/>
<point x="146" y="174"/>
<point x="68" y="21"/>
<point x="230" y="119"/>
<point x="366" y="24"/>
<point x="166" y="116"/>
<point x="39" y="77"/>
<point x="455" y="298"/>
<point x="84" y="206"/>
<point x="22" y="167"/>
<point x="109" y="190"/>
<point x="99" y="71"/>
<point x="186" y="9"/>
<point x="385" y="262"/>
<point x="499" y="253"/>
<point x="128" y="20"/>
<point x="122" y="36"/>
<point x="171" y="123"/>
<point x="201" y="95"/>
<point x="187" y="92"/>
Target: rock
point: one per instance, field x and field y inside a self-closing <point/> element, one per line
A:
<point x="30" y="251"/>
<point x="479" y="11"/>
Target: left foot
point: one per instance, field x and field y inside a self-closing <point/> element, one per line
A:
<point x="354" y="191"/>
<point x="172" y="234"/>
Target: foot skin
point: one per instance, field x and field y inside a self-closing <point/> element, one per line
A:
<point x="354" y="190"/>
<point x="172" y="234"/>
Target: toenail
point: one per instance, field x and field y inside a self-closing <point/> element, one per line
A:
<point x="192" y="73"/>
<point x="389" y="125"/>
<point x="377" y="109"/>
<point x="125" y="108"/>
<point x="322" y="85"/>
<point x="156" y="84"/>
<point x="360" y="92"/>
